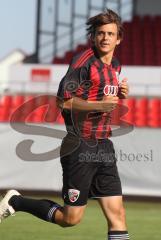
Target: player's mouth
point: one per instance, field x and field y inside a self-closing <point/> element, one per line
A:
<point x="105" y="44"/>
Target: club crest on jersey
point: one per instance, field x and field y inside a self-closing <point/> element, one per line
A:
<point x="73" y="194"/>
<point x="110" y="90"/>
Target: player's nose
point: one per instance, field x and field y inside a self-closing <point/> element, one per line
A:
<point x="105" y="36"/>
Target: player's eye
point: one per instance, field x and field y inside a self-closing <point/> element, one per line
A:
<point x="100" y="33"/>
<point x="111" y="34"/>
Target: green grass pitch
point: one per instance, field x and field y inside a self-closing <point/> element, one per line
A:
<point x="143" y="220"/>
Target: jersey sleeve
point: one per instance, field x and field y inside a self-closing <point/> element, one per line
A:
<point x="71" y="84"/>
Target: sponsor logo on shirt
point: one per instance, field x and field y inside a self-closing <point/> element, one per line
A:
<point x="110" y="90"/>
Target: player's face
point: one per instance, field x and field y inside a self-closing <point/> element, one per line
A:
<point x="106" y="38"/>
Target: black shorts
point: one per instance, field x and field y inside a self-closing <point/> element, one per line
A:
<point x="89" y="170"/>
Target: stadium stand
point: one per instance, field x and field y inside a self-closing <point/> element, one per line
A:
<point x="139" y="44"/>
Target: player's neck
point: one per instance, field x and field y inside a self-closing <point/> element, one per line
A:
<point x="106" y="58"/>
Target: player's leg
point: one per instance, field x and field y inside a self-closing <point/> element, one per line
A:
<point x="69" y="216"/>
<point x="77" y="177"/>
<point x="107" y="187"/>
<point x="114" y="212"/>
<point x="44" y="209"/>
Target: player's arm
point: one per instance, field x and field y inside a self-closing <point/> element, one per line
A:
<point x="108" y="104"/>
<point x="123" y="89"/>
<point x="70" y="85"/>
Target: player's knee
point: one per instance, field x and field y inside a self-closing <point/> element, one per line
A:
<point x="119" y="213"/>
<point x="72" y="221"/>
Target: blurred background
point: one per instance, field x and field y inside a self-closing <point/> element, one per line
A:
<point x="38" y="41"/>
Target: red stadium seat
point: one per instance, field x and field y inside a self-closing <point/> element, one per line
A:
<point x="29" y="106"/>
<point x="128" y="114"/>
<point x="6" y="101"/>
<point x="42" y="100"/>
<point x="5" y="108"/>
<point x="141" y="112"/>
<point x="53" y="110"/>
<point x="154" y="116"/>
<point x="60" y="119"/>
<point x="58" y="60"/>
<point x="38" y="115"/>
<point x="68" y="57"/>
<point x="81" y="47"/>
<point x="4" y="114"/>
<point x="18" y="100"/>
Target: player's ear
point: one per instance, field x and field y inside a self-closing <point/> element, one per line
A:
<point x="118" y="41"/>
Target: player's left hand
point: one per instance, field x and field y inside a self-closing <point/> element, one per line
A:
<point x="123" y="89"/>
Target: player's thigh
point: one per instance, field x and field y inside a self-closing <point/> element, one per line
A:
<point x="77" y="175"/>
<point x="112" y="207"/>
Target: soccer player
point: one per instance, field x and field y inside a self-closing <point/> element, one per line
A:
<point x="87" y="95"/>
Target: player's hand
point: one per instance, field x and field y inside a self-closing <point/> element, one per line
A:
<point x="123" y="89"/>
<point x="109" y="103"/>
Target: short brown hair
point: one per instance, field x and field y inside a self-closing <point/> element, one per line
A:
<point x="108" y="16"/>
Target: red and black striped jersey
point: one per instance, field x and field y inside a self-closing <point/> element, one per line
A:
<point x="89" y="79"/>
